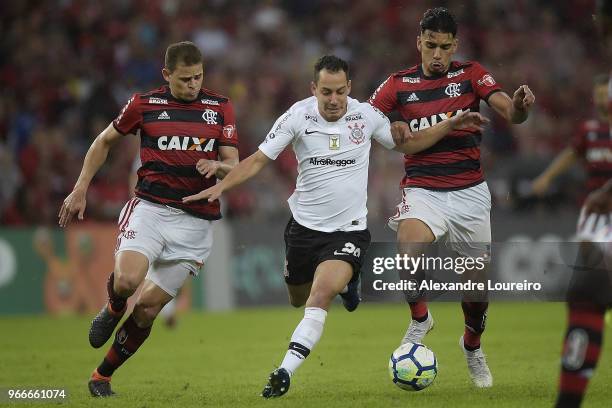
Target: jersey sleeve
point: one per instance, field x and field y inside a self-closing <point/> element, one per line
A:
<point x="130" y="117"/>
<point x="279" y="137"/>
<point x="483" y="82"/>
<point x="382" y="128"/>
<point x="384" y="97"/>
<point x="230" y="133"/>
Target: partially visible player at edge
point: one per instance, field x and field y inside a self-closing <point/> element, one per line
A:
<point x="590" y="292"/>
<point x="162" y="240"/>
<point x="592" y="143"/>
<point x="445" y="196"/>
<point x="327" y="237"/>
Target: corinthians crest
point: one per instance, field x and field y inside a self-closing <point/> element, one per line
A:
<point x="357" y="136"/>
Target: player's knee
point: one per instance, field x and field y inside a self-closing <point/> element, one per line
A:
<point x="126" y="284"/>
<point x="321" y="298"/>
<point x="412" y="234"/>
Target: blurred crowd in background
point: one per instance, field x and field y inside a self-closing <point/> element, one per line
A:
<point x="67" y="67"/>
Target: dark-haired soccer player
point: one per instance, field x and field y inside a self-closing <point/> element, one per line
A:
<point x="445" y="196"/>
<point x="592" y="143"/>
<point x="162" y="240"/>
<point x="327" y="237"/>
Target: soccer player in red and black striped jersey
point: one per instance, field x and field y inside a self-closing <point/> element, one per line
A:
<point x="592" y="143"/>
<point x="590" y="293"/>
<point x="188" y="140"/>
<point x="445" y="196"/>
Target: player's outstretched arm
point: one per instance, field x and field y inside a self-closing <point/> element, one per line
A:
<point x="239" y="174"/>
<point x="562" y="162"/>
<point x="219" y="168"/>
<point x="75" y="203"/>
<point x="411" y="143"/>
<point x="515" y="110"/>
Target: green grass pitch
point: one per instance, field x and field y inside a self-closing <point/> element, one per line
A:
<point x="223" y="359"/>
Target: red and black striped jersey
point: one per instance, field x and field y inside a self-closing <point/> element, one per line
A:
<point x="593" y="142"/>
<point x="174" y="135"/>
<point x="454" y="162"/>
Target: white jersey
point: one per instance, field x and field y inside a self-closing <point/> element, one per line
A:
<point x="333" y="157"/>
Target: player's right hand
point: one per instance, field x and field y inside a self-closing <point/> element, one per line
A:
<point x="75" y="203"/>
<point x="469" y="120"/>
<point x="211" y="194"/>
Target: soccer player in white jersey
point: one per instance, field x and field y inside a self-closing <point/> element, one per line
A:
<point x="327" y="236"/>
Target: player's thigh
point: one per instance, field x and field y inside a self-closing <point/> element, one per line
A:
<point x="419" y="217"/>
<point x="186" y="238"/>
<point x="170" y="276"/>
<point x="470" y="222"/>
<point x="139" y="241"/>
<point x="130" y="269"/>
<point x="330" y="278"/>
<point x="348" y="246"/>
<point x="301" y="246"/>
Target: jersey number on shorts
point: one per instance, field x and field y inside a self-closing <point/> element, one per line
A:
<point x="351" y="249"/>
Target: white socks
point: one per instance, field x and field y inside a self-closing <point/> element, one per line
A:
<point x="304" y="338"/>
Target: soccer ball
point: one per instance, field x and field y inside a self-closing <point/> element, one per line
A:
<point x="413" y="367"/>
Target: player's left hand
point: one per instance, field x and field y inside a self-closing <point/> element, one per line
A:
<point x="208" y="168"/>
<point x="211" y="194"/>
<point x="400" y="132"/>
<point x="523" y="98"/>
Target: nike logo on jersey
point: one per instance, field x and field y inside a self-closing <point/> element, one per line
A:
<point x="310" y="132"/>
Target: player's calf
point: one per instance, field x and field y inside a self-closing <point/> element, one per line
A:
<point x="103" y="325"/>
<point x="581" y="351"/>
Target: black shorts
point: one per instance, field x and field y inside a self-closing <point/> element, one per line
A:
<point x="305" y="249"/>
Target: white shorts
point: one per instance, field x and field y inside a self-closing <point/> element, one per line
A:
<point x="460" y="218"/>
<point x="175" y="243"/>
<point x="595" y="228"/>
